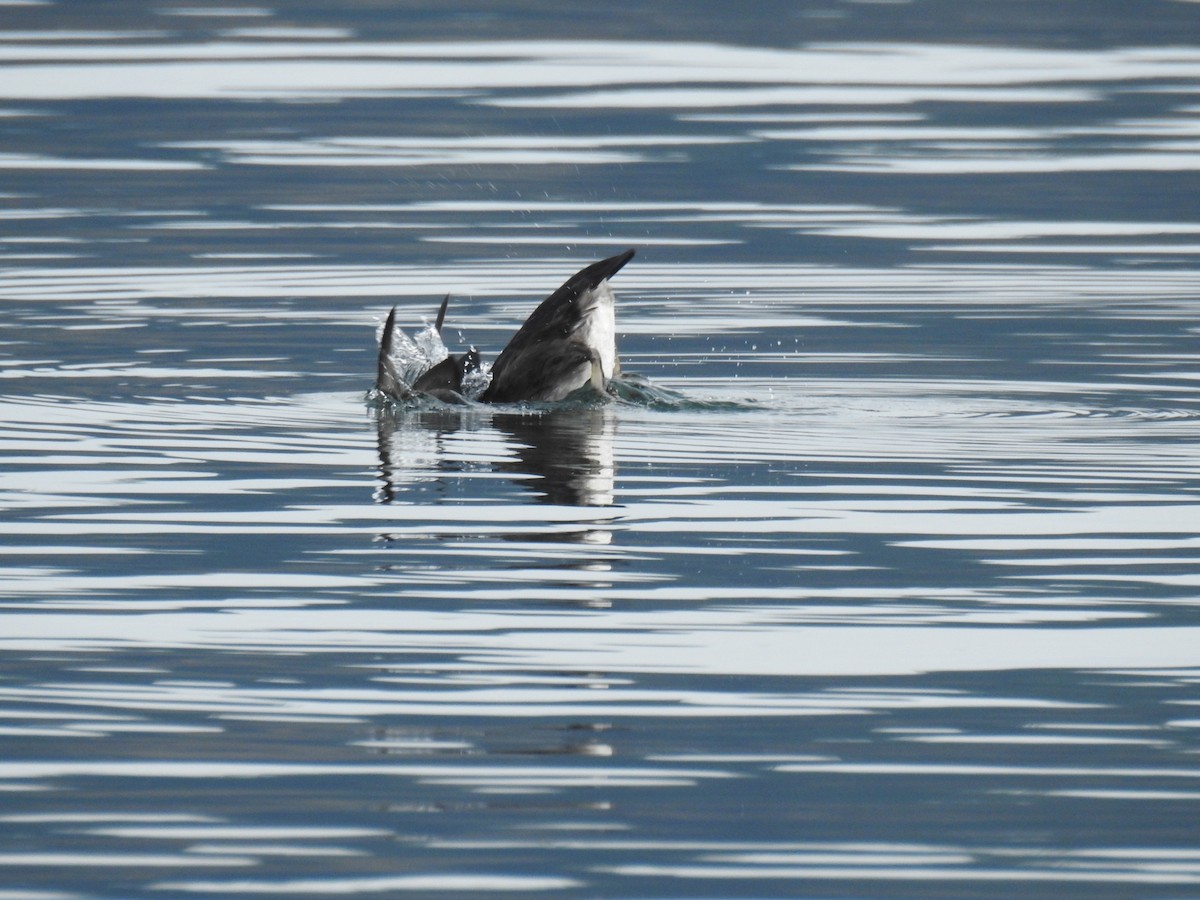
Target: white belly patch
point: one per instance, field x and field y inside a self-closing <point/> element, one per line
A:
<point x="598" y="327"/>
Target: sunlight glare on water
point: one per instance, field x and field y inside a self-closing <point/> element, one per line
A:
<point x="878" y="576"/>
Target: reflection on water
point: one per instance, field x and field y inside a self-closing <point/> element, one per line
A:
<point x="564" y="456"/>
<point x="880" y="580"/>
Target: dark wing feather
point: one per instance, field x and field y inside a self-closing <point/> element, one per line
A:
<point x="554" y="319"/>
<point x="387" y="380"/>
<point x="445" y="380"/>
<point x="445" y="376"/>
<point x="441" y="316"/>
<point x="537" y="372"/>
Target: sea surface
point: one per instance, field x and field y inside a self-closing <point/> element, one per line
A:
<point x="884" y="584"/>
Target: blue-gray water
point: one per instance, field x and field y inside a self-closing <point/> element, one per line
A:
<point x="901" y="600"/>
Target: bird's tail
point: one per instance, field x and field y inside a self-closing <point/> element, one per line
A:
<point x="387" y="380"/>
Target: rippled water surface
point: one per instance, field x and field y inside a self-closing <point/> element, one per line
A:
<point x="885" y="582"/>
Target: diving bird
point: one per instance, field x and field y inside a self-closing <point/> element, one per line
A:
<point x="444" y="380"/>
<point x="569" y="341"/>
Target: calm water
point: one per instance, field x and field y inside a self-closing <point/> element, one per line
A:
<point x="900" y="598"/>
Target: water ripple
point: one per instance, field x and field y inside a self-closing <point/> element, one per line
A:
<point x="884" y="558"/>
